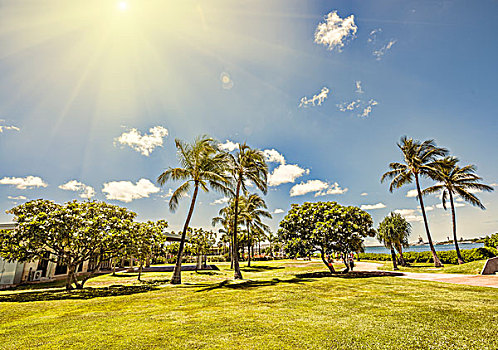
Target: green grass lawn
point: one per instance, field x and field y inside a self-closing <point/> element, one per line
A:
<point x="280" y="305"/>
<point x="471" y="268"/>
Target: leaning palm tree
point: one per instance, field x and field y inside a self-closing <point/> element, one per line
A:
<point x="419" y="158"/>
<point x="246" y="165"/>
<point x="254" y="208"/>
<point x="202" y="166"/>
<point x="456" y="181"/>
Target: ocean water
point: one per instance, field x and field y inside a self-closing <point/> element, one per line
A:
<point x="424" y="248"/>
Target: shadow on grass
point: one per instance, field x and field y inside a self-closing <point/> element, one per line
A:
<point x="260" y="268"/>
<point x="86" y="293"/>
<point x="297" y="279"/>
<point x="351" y="274"/>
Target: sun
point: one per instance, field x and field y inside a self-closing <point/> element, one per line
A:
<point x="123" y="6"/>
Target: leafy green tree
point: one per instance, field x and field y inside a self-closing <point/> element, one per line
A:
<point x="456" y="181"/>
<point x="419" y="158"/>
<point x="147" y="237"/>
<point x="393" y="232"/>
<point x="68" y="234"/>
<point x="247" y="165"/>
<point x="202" y="166"/>
<point x="200" y="241"/>
<point x="491" y="241"/>
<point x="326" y="227"/>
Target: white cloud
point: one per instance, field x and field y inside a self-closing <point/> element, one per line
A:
<point x="284" y="173"/>
<point x="126" y="191"/>
<point x="412" y="193"/>
<point x="358" y="90"/>
<point x="146" y="143"/>
<point x="19" y="198"/>
<point x="272" y="156"/>
<point x="368" y="109"/>
<point x="494" y="185"/>
<point x="307" y="187"/>
<point x="332" y="189"/>
<point x="320" y="188"/>
<point x="448" y="205"/>
<point x="23" y="183"/>
<point x="334" y="32"/>
<point x="221" y="201"/>
<point x="316" y="100"/>
<point x="364" y="194"/>
<point x="76" y="186"/>
<point x="411" y="215"/>
<point x="372" y="206"/>
<point x="8" y="127"/>
<point x="383" y="50"/>
<point x="372" y="37"/>
<point x="278" y="211"/>
<point x="168" y="195"/>
<point x="228" y="146"/>
<point x="361" y="108"/>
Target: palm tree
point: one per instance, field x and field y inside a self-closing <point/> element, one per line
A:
<point x="393" y="232"/>
<point x="454" y="180"/>
<point x="246" y="165"/>
<point x="202" y="165"/>
<point x="254" y="207"/>
<point x="419" y="158"/>
<point x="225" y="218"/>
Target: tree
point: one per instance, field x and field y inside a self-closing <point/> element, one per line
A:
<point x="202" y="166"/>
<point x="246" y="166"/>
<point x="393" y="232"/>
<point x="68" y="234"/>
<point x="147" y="237"/>
<point x="200" y="242"/>
<point x="419" y="158"/>
<point x="326" y="227"/>
<point x="253" y="208"/>
<point x="456" y="181"/>
<point x="491" y="241"/>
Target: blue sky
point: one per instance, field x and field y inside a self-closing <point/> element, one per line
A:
<point x="93" y="94"/>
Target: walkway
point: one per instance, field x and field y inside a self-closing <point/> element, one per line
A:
<point x="470" y="280"/>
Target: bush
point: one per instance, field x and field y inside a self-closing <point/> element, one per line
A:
<point x="491" y="241"/>
<point x="446" y="257"/>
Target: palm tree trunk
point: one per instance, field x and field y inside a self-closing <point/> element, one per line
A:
<point x="400" y="251"/>
<point x="248" y="247"/>
<point x="177" y="272"/>
<point x="235" y="254"/>
<point x="393" y="257"/>
<point x="140" y="270"/>
<point x="453" y="218"/>
<point x="437" y="262"/>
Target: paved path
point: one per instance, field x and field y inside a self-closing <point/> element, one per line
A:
<point x="470" y="280"/>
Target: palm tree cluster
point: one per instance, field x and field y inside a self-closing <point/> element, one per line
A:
<point x="393" y="232"/>
<point x="204" y="165"/>
<point x="427" y="160"/>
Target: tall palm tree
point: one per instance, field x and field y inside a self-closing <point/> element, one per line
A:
<point x="202" y="166"/>
<point x="246" y="165"/>
<point x="454" y="180"/>
<point x="419" y="158"/>
<point x="253" y="209"/>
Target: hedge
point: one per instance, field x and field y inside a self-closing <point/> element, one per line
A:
<point x="446" y="257"/>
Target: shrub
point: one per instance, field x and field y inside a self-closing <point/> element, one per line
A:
<point x="446" y="257"/>
<point x="491" y="241"/>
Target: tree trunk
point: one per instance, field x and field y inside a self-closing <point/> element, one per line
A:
<point x="402" y="261"/>
<point x="236" y="267"/>
<point x="329" y="264"/>
<point x="393" y="257"/>
<point x="248" y="247"/>
<point x="345" y="261"/>
<point x="453" y="218"/>
<point x="177" y="272"/>
<point x="140" y="270"/>
<point x="69" y="279"/>
<point x="437" y="262"/>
